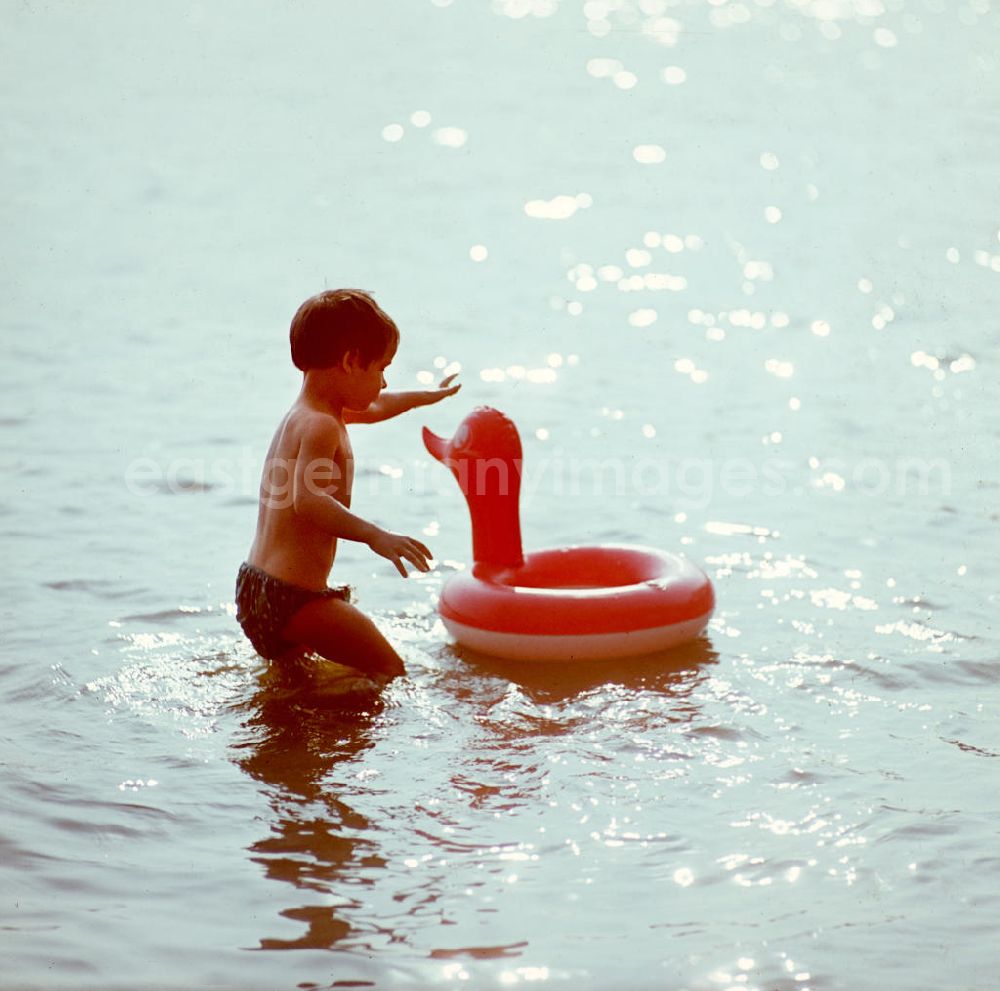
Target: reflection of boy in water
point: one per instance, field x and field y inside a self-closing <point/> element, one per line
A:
<point x="342" y="342"/>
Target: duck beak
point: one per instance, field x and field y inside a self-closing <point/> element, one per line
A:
<point x="437" y="446"/>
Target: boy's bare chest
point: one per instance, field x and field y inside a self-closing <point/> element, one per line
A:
<point x="344" y="462"/>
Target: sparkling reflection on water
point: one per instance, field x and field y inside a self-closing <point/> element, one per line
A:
<point x="716" y="815"/>
<point x="729" y="267"/>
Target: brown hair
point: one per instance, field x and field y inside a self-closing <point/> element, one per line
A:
<point x="333" y="323"/>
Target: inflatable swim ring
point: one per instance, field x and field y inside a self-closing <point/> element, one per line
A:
<point x="570" y="603"/>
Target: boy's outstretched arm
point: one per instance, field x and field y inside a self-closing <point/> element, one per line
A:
<point x="391" y="404"/>
<point x="314" y="482"/>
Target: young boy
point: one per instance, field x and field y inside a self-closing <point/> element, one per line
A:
<point x="342" y="342"/>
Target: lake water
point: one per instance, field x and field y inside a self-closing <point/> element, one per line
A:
<point x="732" y="267"/>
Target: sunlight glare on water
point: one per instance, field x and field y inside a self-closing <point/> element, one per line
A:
<point x="730" y="268"/>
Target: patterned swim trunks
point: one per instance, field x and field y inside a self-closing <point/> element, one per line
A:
<point x="265" y="604"/>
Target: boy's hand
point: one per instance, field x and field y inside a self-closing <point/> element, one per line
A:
<point x="443" y="391"/>
<point x="396" y="548"/>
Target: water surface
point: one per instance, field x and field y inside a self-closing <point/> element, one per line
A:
<point x="732" y="268"/>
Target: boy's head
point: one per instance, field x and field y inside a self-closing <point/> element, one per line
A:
<point x="335" y="323"/>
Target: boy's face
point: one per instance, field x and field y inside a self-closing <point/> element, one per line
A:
<point x="369" y="380"/>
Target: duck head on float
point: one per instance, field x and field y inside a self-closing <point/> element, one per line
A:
<point x="569" y="603"/>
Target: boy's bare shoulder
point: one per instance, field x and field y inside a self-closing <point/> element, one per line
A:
<point x="303" y="417"/>
<point x="305" y="425"/>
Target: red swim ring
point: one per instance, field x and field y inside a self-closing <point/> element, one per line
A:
<point x="571" y="603"/>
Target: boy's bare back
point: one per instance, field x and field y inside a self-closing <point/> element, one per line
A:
<point x="288" y="544"/>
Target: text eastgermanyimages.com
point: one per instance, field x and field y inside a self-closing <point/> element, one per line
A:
<point x="687" y="482"/>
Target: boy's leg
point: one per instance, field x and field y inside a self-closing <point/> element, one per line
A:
<point x="339" y="632"/>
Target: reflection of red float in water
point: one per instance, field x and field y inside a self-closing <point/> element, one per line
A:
<point x="572" y="603"/>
